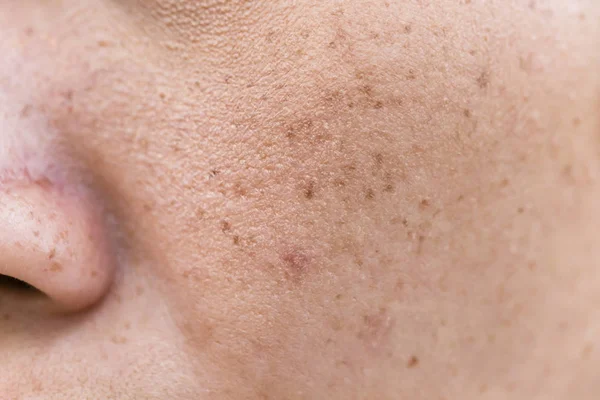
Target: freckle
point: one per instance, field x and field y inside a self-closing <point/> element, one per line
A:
<point x="103" y="43"/>
<point x="370" y="195"/>
<point x="338" y="296"/>
<point x="309" y="192"/>
<point x="332" y="45"/>
<point x="94" y="273"/>
<point x="367" y="90"/>
<point x="576" y="121"/>
<point x="504" y="183"/>
<point x="236" y="240"/>
<point x="127" y="325"/>
<point x="52" y="254"/>
<point x="520" y="210"/>
<point x="378" y="105"/>
<point x="225" y="226"/>
<point x="350" y="105"/>
<point x="119" y="340"/>
<point x="424" y="204"/>
<point x="140" y="290"/>
<point x="483" y="80"/>
<point x="162" y="95"/>
<point x="26" y="111"/>
<point x="56" y="267"/>
<point x="467" y="113"/>
<point x="411" y="75"/>
<point x="6" y="317"/>
<point x="408" y="28"/>
<point x="412" y="362"/>
<point x="389" y="188"/>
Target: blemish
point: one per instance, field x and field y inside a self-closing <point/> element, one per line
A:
<point x="296" y="263"/>
<point x="309" y="191"/>
<point x="378" y="105"/>
<point x="26" y="111"/>
<point x="370" y="195"/>
<point x="408" y="29"/>
<point x="483" y="80"/>
<point x="413" y="361"/>
<point x="236" y="240"/>
<point x="521" y="210"/>
<point x="467" y="113"/>
<point x="52" y="254"/>
<point x="225" y="226"/>
<point x="424" y="204"/>
<point x="389" y="188"/>
<point x="213" y="173"/>
<point x="94" y="273"/>
<point x="411" y="75"/>
<point x="56" y="267"/>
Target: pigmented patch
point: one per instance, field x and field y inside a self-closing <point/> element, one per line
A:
<point x="56" y="267"/>
<point x="483" y="80"/>
<point x="309" y="191"/>
<point x="376" y="329"/>
<point x="296" y="264"/>
<point x="225" y="226"/>
<point x="413" y="361"/>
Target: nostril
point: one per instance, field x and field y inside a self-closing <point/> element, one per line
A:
<point x="14" y="284"/>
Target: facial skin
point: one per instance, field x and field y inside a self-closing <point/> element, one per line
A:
<point x="299" y="200"/>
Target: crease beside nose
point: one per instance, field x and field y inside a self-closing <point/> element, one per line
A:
<point x="56" y="242"/>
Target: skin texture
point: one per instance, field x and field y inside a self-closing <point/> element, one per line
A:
<point x="300" y="200"/>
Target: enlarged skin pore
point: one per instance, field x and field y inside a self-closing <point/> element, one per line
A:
<point x="316" y="199"/>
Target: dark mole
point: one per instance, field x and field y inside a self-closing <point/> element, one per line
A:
<point x="225" y="226"/>
<point x="213" y="173"/>
<point x="412" y="362"/>
<point x="483" y="80"/>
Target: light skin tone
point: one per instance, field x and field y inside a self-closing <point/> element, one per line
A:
<point x="355" y="199"/>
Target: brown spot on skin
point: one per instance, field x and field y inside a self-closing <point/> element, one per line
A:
<point x="338" y="296"/>
<point x="483" y="80"/>
<point x="6" y="317"/>
<point x="225" y="226"/>
<point x="424" y="204"/>
<point x="213" y="173"/>
<point x="587" y="351"/>
<point x="370" y="195"/>
<point x="56" y="267"/>
<point x="378" y="105"/>
<point x="236" y="240"/>
<point x="412" y="362"/>
<point x="301" y="127"/>
<point x="103" y="43"/>
<point x="408" y="29"/>
<point x="366" y="90"/>
<point x="467" y="113"/>
<point x="521" y="210"/>
<point x="389" y="188"/>
<point x="36" y="233"/>
<point x="118" y="339"/>
<point x="296" y="264"/>
<point x="52" y="254"/>
<point x="94" y="273"/>
<point x="309" y="191"/>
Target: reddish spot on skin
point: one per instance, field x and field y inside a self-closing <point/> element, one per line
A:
<point x="296" y="264"/>
<point x="412" y="362"/>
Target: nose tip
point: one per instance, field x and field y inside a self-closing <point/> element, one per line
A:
<point x="55" y="241"/>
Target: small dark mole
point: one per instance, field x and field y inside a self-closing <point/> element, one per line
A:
<point x="483" y="80"/>
<point x="338" y="296"/>
<point x="213" y="173"/>
<point x="424" y="204"/>
<point x="331" y="45"/>
<point x="404" y="222"/>
<point x="236" y="240"/>
<point x="504" y="183"/>
<point x="467" y="113"/>
<point x="412" y="362"/>
<point x="370" y="195"/>
<point x="225" y="226"/>
<point x="408" y="28"/>
<point x="56" y="267"/>
<point x="350" y="105"/>
<point x="162" y="95"/>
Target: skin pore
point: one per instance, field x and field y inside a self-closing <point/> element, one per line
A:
<point x="300" y="200"/>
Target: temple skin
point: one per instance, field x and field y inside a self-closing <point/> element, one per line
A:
<point x="360" y="199"/>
